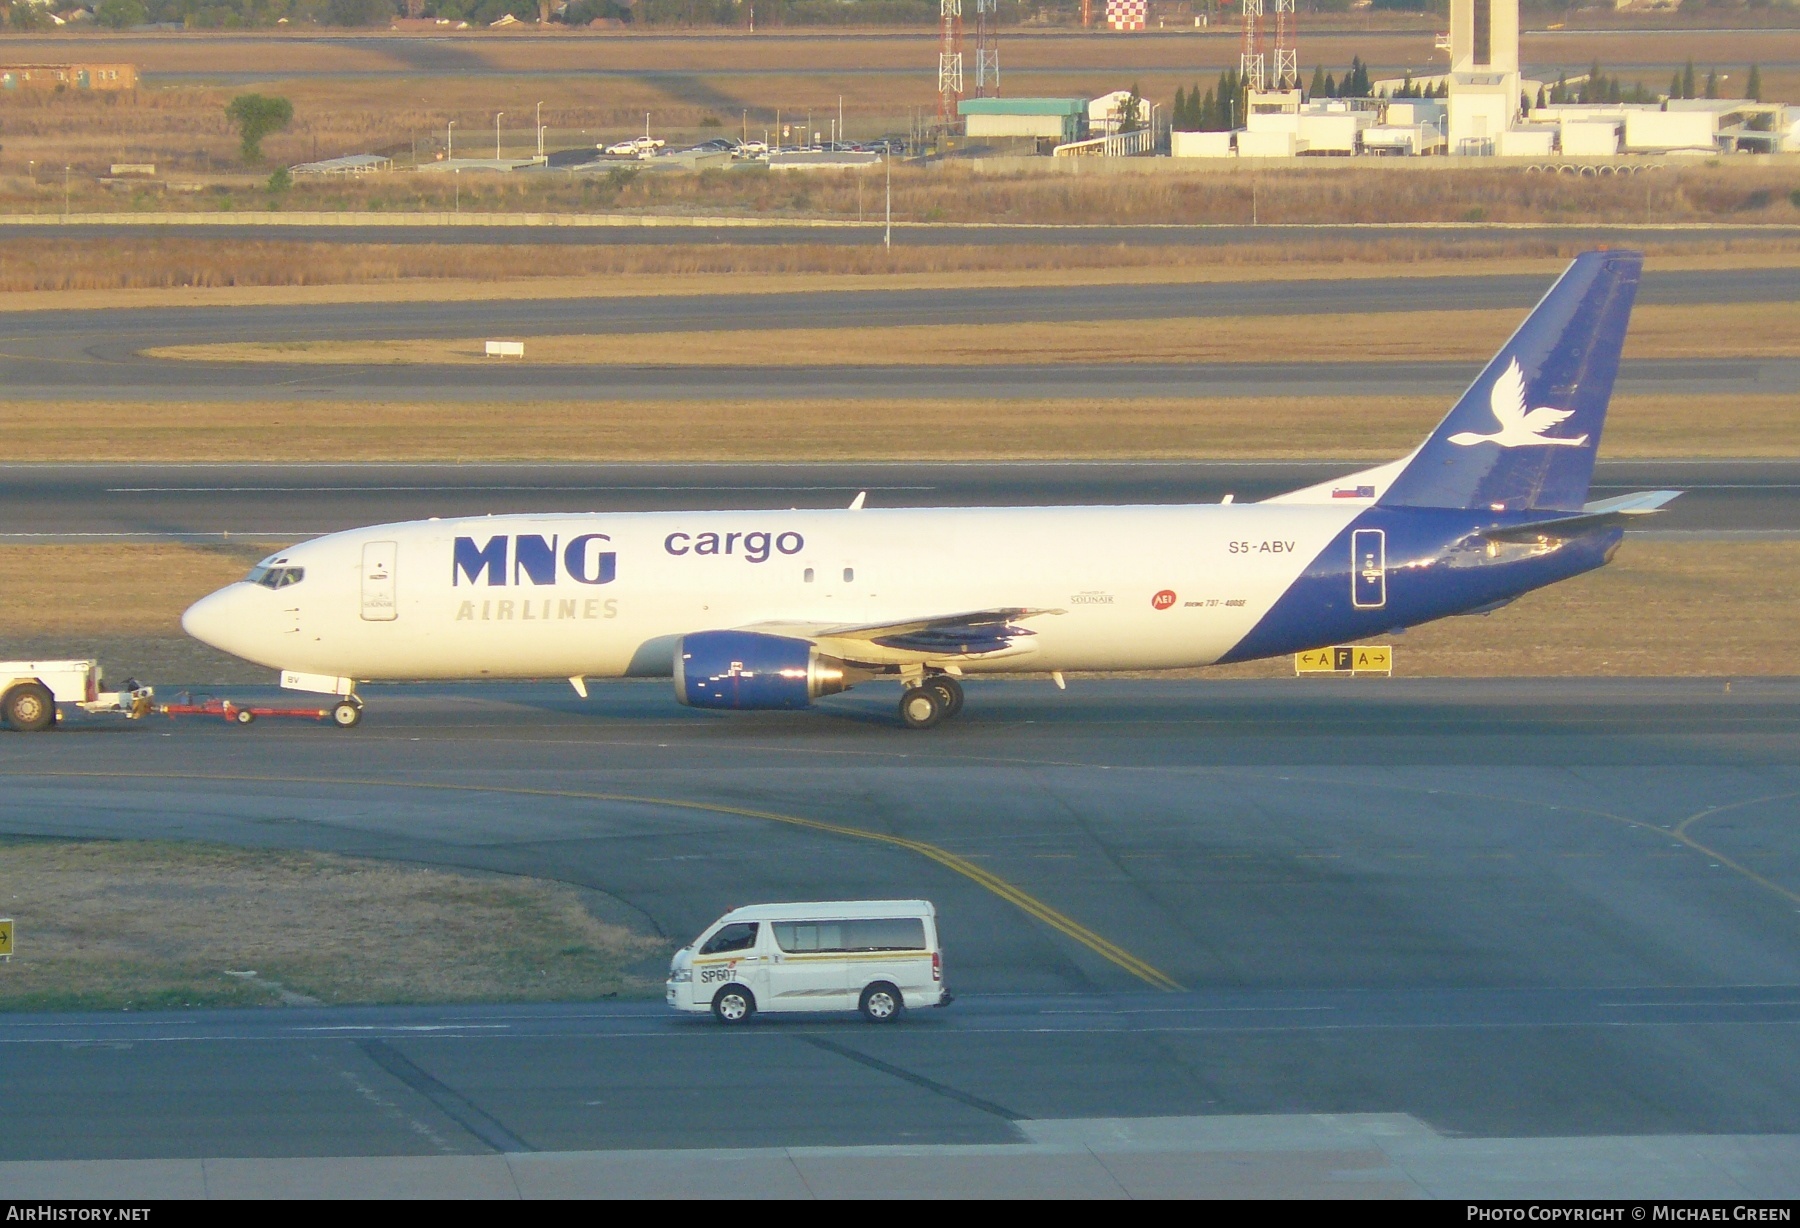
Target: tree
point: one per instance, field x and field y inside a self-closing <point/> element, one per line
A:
<point x="1317" y="88"/>
<point x="1753" y="86"/>
<point x="1131" y="111"/>
<point x="1675" y="86"/>
<point x="121" y="14"/>
<point x="1687" y="80"/>
<point x="1542" y="101"/>
<point x="357" y="12"/>
<point x="256" y="116"/>
<point x="23" y="15"/>
<point x="1712" y="83"/>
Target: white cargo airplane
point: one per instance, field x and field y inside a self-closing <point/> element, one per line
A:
<point x="760" y="610"/>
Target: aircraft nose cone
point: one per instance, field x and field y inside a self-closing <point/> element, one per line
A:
<point x="219" y="620"/>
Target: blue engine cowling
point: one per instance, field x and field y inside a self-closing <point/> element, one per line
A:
<point x="744" y="670"/>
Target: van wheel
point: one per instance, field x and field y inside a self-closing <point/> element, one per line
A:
<point x="29" y="708"/>
<point x="880" y="1002"/>
<point x="733" y="1004"/>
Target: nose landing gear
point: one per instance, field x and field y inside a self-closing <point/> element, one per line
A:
<point x="936" y="698"/>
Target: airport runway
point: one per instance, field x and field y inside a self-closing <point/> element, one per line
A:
<point x="77" y="354"/>
<point x="1508" y="910"/>
<point x="288" y="502"/>
<point x="147" y="380"/>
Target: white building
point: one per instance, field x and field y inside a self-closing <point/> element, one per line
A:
<point x="1484" y="74"/>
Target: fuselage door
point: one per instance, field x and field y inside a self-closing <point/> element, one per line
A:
<point x="378" y="601"/>
<point x="1368" y="569"/>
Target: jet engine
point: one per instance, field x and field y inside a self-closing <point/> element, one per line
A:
<point x="746" y="669"/>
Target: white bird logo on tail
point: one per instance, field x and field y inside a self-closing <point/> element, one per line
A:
<point x="1518" y="429"/>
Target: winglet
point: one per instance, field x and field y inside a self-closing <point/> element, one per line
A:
<point x="1524" y="436"/>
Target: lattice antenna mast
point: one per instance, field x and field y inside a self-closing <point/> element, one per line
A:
<point x="950" y="61"/>
<point x="987" y="48"/>
<point x="1252" y="67"/>
<point x="1287" y="47"/>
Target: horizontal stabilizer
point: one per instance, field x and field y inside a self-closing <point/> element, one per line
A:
<point x="1605" y="513"/>
<point x="1643" y="503"/>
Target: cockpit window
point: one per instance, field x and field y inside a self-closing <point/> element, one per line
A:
<point x="276" y="577"/>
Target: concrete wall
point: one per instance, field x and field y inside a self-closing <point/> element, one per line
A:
<point x="1330" y="133"/>
<point x="1266" y="144"/>
<point x="1016" y="125"/>
<point x="1589" y="139"/>
<point x="1200" y="144"/>
<point x="1654" y="130"/>
<point x="1526" y="143"/>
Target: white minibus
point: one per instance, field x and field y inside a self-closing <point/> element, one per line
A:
<point x="875" y="956"/>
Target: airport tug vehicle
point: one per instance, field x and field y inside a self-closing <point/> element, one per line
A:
<point x="31" y="693"/>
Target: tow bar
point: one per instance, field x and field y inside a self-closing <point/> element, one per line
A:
<point x="344" y="714"/>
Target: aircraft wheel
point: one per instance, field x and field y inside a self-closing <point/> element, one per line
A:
<point x="950" y="693"/>
<point x="921" y="707"/>
<point x="28" y="708"/>
<point x="347" y="715"/>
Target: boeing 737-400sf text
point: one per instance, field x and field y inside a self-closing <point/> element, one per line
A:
<point x="750" y="610"/>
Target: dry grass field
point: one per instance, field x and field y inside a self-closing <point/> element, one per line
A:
<point x="1706" y="608"/>
<point x="106" y="925"/>
<point x="1158" y="193"/>
<point x="1760" y="330"/>
<point x="1659" y="609"/>
<point x="1348" y="428"/>
<point x="63" y="590"/>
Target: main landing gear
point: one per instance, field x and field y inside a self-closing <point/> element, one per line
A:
<point x="936" y="697"/>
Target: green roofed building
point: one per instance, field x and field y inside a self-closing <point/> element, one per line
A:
<point x="1058" y="119"/>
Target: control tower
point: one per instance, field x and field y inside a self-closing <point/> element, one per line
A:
<point x="1484" y="73"/>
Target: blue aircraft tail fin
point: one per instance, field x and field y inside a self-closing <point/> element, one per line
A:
<point x="1524" y="436"/>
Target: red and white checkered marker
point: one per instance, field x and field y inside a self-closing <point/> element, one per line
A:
<point x="1127" y="14"/>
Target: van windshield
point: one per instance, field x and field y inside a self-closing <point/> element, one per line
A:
<point x="881" y="934"/>
<point x="738" y="936"/>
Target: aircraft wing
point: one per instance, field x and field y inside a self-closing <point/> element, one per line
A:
<point x="942" y="637"/>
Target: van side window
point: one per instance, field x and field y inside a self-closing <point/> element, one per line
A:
<point x="882" y="934"/>
<point x="738" y="936"/>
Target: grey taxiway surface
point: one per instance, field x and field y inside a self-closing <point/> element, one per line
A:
<point x="1497" y="911"/>
<point x="75" y="354"/>
<point x="284" y="503"/>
